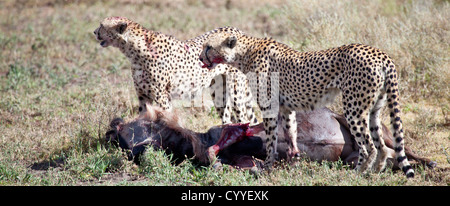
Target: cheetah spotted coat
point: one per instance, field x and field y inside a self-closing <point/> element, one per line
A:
<point x="164" y="67"/>
<point x="365" y="76"/>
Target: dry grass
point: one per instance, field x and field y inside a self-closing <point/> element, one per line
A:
<point x="59" y="88"/>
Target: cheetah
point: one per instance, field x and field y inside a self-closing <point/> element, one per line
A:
<point x="365" y="76"/>
<point x="164" y="67"/>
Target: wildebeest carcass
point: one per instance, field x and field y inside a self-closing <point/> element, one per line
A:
<point x="322" y="135"/>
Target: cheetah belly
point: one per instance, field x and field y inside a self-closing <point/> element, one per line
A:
<point x="303" y="102"/>
<point x="187" y="86"/>
<point x="190" y="83"/>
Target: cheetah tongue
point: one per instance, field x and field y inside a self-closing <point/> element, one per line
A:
<point x="217" y="60"/>
<point x="213" y="63"/>
<point x="207" y="66"/>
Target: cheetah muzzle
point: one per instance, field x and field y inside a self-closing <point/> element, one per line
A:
<point x="207" y="63"/>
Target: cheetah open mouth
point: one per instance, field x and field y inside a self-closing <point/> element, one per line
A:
<point x="207" y="63"/>
<point x="104" y="43"/>
<point x="211" y="65"/>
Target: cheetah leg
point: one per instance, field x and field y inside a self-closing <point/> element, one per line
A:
<point x="224" y="113"/>
<point x="270" y="127"/>
<point x="228" y="89"/>
<point x="218" y="94"/>
<point x="142" y="101"/>
<point x="241" y="113"/>
<point x="217" y="106"/>
<point x="228" y="117"/>
<point x="367" y="151"/>
<point x="290" y="124"/>
<point x="377" y="134"/>
<point x="251" y="90"/>
<point x="249" y="104"/>
<point x="239" y="108"/>
<point x="163" y="100"/>
<point x="251" y="114"/>
<point x="397" y="127"/>
<point x="234" y="91"/>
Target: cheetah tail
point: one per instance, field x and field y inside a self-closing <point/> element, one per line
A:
<point x="396" y="122"/>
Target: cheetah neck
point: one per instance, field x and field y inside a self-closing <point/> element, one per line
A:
<point x="245" y="52"/>
<point x="262" y="51"/>
<point x="138" y="43"/>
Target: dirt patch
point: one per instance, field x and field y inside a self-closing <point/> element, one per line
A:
<point x="116" y="179"/>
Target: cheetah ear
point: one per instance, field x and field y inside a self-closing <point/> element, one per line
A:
<point x="231" y="42"/>
<point x="121" y="27"/>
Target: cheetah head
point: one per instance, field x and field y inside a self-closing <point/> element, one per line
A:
<point x="219" y="48"/>
<point x="111" y="31"/>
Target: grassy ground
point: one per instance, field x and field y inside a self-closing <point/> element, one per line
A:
<point x="59" y="89"/>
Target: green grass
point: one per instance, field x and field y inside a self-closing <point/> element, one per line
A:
<point x="59" y="89"/>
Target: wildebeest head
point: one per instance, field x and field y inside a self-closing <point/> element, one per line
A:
<point x="156" y="128"/>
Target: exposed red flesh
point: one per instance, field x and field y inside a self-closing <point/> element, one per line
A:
<point x="231" y="134"/>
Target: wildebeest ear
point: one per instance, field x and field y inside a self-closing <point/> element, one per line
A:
<point x="117" y="124"/>
<point x="231" y="41"/>
<point x="121" y="27"/>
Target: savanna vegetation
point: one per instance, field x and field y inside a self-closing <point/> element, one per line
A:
<point x="59" y="88"/>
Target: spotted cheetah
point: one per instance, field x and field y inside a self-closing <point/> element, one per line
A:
<point x="164" y="67"/>
<point x="365" y="76"/>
